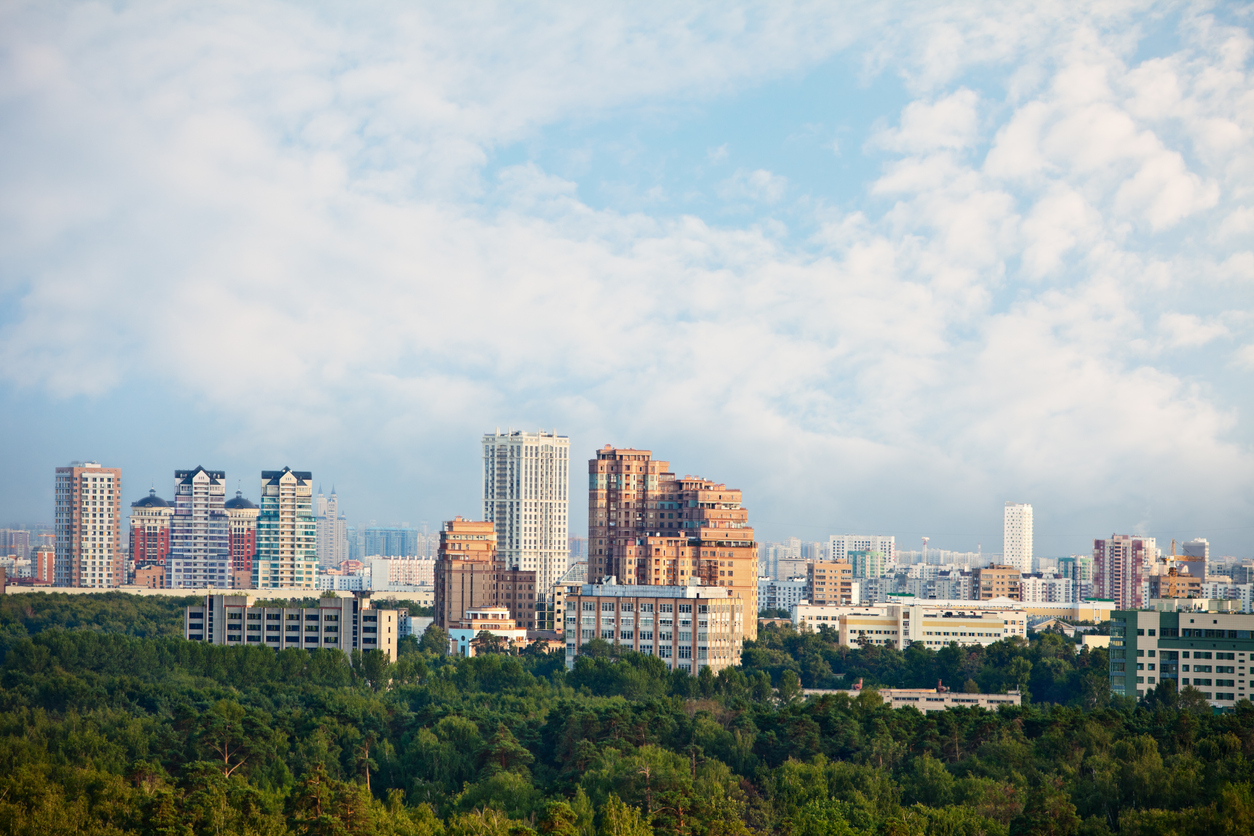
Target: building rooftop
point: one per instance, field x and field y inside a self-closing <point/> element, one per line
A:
<point x="151" y="501"/>
<point x="238" y="502"/>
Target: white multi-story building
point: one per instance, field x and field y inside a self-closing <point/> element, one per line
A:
<point x="287" y="554"/>
<point x="1047" y="588"/>
<point x="781" y="595"/>
<point x="1227" y="591"/>
<point x="839" y="546"/>
<point x="526" y="478"/>
<point x="1017" y="536"/>
<point x="932" y="625"/>
<point x="200" y="532"/>
<point x="88" y="516"/>
<point x="331" y="530"/>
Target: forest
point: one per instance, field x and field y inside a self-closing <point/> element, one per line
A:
<point x="110" y="723"/>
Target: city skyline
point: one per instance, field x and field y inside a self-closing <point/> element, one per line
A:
<point x="884" y="270"/>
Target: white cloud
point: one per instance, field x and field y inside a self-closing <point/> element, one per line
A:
<point x="1189" y="331"/>
<point x="950" y="123"/>
<point x="761" y="186"/>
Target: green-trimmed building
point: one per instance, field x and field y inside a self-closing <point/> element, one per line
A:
<point x="1206" y="650"/>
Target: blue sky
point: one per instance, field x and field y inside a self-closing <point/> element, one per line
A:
<point x="881" y="267"/>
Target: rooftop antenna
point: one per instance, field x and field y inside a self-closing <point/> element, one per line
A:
<point x="925" y="539"/>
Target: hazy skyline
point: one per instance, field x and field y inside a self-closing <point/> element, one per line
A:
<point x="882" y="268"/>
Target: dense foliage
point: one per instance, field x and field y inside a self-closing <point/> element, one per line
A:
<point x="107" y="733"/>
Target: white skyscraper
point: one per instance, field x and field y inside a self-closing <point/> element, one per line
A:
<point x="839" y="546"/>
<point x="332" y="530"/>
<point x="1017" y="537"/>
<point x="200" y="532"/>
<point x="526" y="478"/>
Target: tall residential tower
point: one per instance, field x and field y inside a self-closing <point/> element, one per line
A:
<point x="332" y="530"/>
<point x="200" y="535"/>
<point x="526" y="479"/>
<point x="88" y="516"/>
<point x="1017" y="537"/>
<point x="286" y="539"/>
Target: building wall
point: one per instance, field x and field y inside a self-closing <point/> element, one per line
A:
<point x="331" y="531"/>
<point x="88" y="526"/>
<point x="686" y="627"/>
<point x="469" y="576"/>
<point x="839" y="546"/>
<point x="1205" y="650"/>
<point x="995" y="581"/>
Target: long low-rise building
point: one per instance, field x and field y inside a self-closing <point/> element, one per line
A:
<point x="899" y="626"/>
<point x="929" y="699"/>
<point x="687" y="627"/>
<point x="344" y="624"/>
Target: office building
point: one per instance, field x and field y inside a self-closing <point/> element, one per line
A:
<point x="150" y="531"/>
<point x="687" y="627"/>
<point x="1017" y="536"/>
<point x="839" y="546"/>
<point x="831" y="582"/>
<point x="88" y="523"/>
<point x="995" y="581"/>
<point x="343" y="624"/>
<point x="242" y="516"/>
<point x="526" y="479"/>
<point x="645" y="526"/>
<point x="469" y="576"/>
<point x="200" y="534"/>
<point x="933" y="625"/>
<point x="1207" y="650"/>
<point x="286" y="533"/>
<point x="330" y="530"/>
<point x="1121" y="567"/>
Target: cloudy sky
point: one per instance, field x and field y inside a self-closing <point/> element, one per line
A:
<point x="883" y="269"/>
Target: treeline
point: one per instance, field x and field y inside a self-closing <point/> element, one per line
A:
<point x="114" y="734"/>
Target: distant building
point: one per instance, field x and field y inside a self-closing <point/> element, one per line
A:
<point x="1174" y="584"/>
<point x="44" y="565"/>
<point x="867" y="564"/>
<point x="840" y="545"/>
<point x="15" y="541"/>
<point x="200" y="533"/>
<point x="928" y="700"/>
<point x="995" y="581"/>
<point x="781" y="595"/>
<point x="1196" y="553"/>
<point x="831" y="582"/>
<point x="286" y="533"/>
<point x="1079" y="568"/>
<point x="469" y="576"/>
<point x="526" y="479"/>
<point x="1017" y="536"/>
<point x="150" y="531"/>
<point x="331" y="530"/>
<point x="88" y="526"/>
<point x="242" y="517"/>
<point x="578" y="551"/>
<point x="687" y="627"/>
<point x="381" y="541"/>
<point x="932" y="625"/>
<point x="344" y="624"/>
<point x="1121" y="567"/>
<point x="495" y="621"/>
<point x="1047" y="587"/>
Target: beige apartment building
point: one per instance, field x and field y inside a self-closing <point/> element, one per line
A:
<point x="469" y="576"/>
<point x="344" y="624"/>
<point x="993" y="581"/>
<point x="687" y="627"/>
<point x="645" y="526"/>
<point x="831" y="582"/>
<point x="88" y="526"/>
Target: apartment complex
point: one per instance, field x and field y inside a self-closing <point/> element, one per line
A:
<point x="150" y="531"/>
<point x="88" y="520"/>
<point x="840" y="545"/>
<point x="330" y="530"/>
<point x="1017" y="536"/>
<point x="469" y="576"/>
<point x="687" y="627"/>
<point x="781" y="595"/>
<point x="344" y="624"/>
<point x="900" y="625"/>
<point x="645" y="526"/>
<point x="242" y="516"/>
<point x="1208" y="651"/>
<point x="832" y="582"/>
<point x="286" y="533"/>
<point x="526" y="479"/>
<point x="994" y="581"/>
<point x="200" y="534"/>
<point x="1121" y="567"/>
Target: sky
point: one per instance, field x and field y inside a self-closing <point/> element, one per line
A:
<point x="883" y="267"/>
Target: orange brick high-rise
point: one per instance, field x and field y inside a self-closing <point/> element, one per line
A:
<point x="647" y="527"/>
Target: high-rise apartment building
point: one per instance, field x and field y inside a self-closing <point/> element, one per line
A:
<point x="15" y="541"/>
<point x="200" y="534"/>
<point x="647" y="527"/>
<point x="1079" y="569"/>
<point x="331" y="530"/>
<point x="286" y="534"/>
<point x="1121" y="567"/>
<point x="867" y="564"/>
<point x="526" y="479"/>
<point x="242" y="517"/>
<point x="381" y="541"/>
<point x="831" y="582"/>
<point x="993" y="581"/>
<point x="88" y="520"/>
<point x="1017" y="536"/>
<point x="150" y="531"/>
<point x="469" y="575"/>
<point x="1195" y="555"/>
<point x="839" y="546"/>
